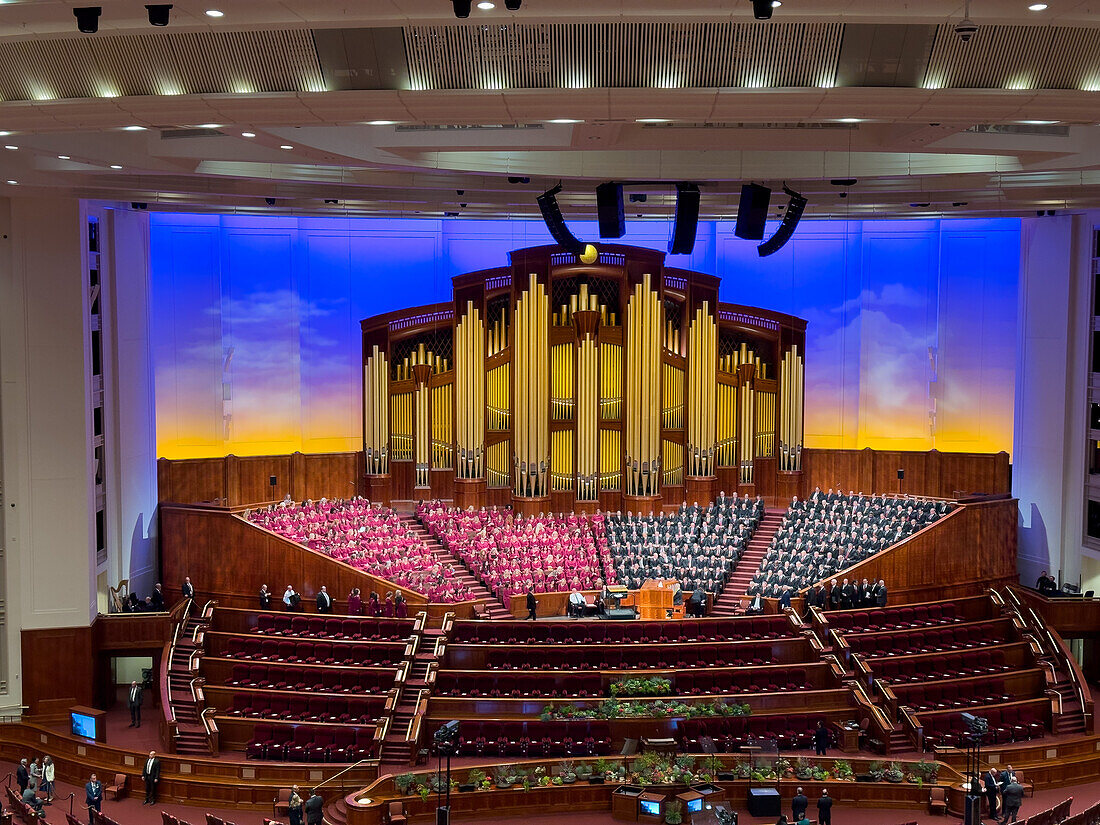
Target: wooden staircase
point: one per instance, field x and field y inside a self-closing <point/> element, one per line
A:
<point x="729" y="601"/>
<point x="1071" y="722"/>
<point x="493" y="606"/>
<point x="402" y="741"/>
<point x="185" y="687"/>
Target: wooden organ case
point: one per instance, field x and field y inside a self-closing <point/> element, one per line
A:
<point x="553" y="385"/>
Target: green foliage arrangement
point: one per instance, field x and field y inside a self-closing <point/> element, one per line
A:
<point x="657" y="686"/>
<point x="403" y="782"/>
<point x="674" y="812"/>
<point x="660" y="709"/>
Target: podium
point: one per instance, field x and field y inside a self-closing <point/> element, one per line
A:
<point x="654" y="599"/>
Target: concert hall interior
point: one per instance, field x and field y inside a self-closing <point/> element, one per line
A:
<point x="543" y="411"/>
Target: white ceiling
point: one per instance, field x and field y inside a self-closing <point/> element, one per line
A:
<point x="256" y="70"/>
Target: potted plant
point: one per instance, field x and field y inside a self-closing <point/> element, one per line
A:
<point x="803" y="768"/>
<point x="674" y="812"/>
<point x="424" y="792"/>
<point x="928" y="771"/>
<point x="842" y="769"/>
<point x="566" y="772"/>
<point x="504" y="776"/>
<point x="743" y="769"/>
<point x="403" y="782"/>
<point x="473" y="780"/>
<point x="894" y="773"/>
<point x="876" y="770"/>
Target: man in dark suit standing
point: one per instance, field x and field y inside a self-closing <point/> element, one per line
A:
<point x="314" y="808"/>
<point x="157" y="597"/>
<point x="93" y="796"/>
<point x="134" y="700"/>
<point x="821" y="739"/>
<point x="188" y="588"/>
<point x="532" y="604"/>
<point x="799" y="805"/>
<point x="151" y="775"/>
<point x="22" y="776"/>
<point x="992" y="790"/>
<point x="785" y="598"/>
<point x="1012" y="796"/>
<point x="825" y="808"/>
<point x="324" y="601"/>
<point x="834" y="595"/>
<point x="847" y="596"/>
<point x="880" y="593"/>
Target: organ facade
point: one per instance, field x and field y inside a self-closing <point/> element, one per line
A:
<point x="554" y="385"/>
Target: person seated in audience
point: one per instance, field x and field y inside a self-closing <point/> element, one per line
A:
<point x="576" y="605"/>
<point x="756" y="606"/>
<point x="1046" y="584"/>
<point x="31" y="799"/>
<point x="133" y="604"/>
<point x="355" y="603"/>
<point x="265" y="597"/>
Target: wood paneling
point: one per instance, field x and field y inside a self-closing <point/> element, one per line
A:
<point x="58" y="669"/>
<point x="238" y="481"/>
<point x="1072" y="617"/>
<point x="932" y="473"/>
<point x="142" y="631"/>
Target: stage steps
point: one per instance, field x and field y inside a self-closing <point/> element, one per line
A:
<point x="192" y="739"/>
<point x="395" y="749"/>
<point x="729" y="602"/>
<point x="493" y="605"/>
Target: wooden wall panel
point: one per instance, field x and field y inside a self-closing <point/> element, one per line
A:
<point x="930" y="473"/>
<point x="402" y="478"/>
<point x="443" y="484"/>
<point x="234" y="481"/>
<point x="58" y="669"/>
<point x="764" y="474"/>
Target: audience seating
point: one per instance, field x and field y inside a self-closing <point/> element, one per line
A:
<point x="627" y="657"/>
<point x="368" y="654"/>
<point x="305" y="743"/>
<point x="295" y="708"/>
<point x="894" y="618"/>
<point x="950" y="665"/>
<point x="22" y="810"/>
<point x="320" y="627"/>
<point x="216" y="820"/>
<point x="935" y="697"/>
<point x="1012" y="723"/>
<point x="579" y="737"/>
<point x="614" y="633"/>
<point x="333" y="679"/>
<point x="734" y="733"/>
<point x="928" y="640"/>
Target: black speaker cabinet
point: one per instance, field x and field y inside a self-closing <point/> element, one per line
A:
<point x="752" y="212"/>
<point x="764" y="802"/>
<point x="687" y="219"/>
<point x="442" y="815"/>
<point x="609" y="208"/>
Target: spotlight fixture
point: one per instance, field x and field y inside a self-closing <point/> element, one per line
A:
<point x="214" y="13"/>
<point x="269" y="201"/>
<point x="486" y="5"/>
<point x="158" y="14"/>
<point x="138" y="205"/>
<point x="462" y="8"/>
<point x="513" y="5"/>
<point x="116" y="166"/>
<point x="248" y="134"/>
<point x="796" y="205"/>
<point x="638" y="197"/>
<point x="687" y="219"/>
<point x="552" y="217"/>
<point x="515" y="179"/>
<point x="87" y="18"/>
<point x="844" y="181"/>
<point x="762" y="9"/>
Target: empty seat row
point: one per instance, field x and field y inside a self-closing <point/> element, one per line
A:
<point x="734" y="734"/>
<point x="755" y="681"/>
<point x="324" y="679"/>
<point x="936" y="697"/>
<point x="952" y="665"/>
<point x="319" y="627"/>
<point x="303" y="743"/>
<point x="578" y="737"/>
<point x="366" y="654"/>
<point x="516" y="685"/>
<point x="295" y="708"/>
<point x="543" y="633"/>
<point x="928" y="641"/>
<point x="1009" y="724"/>
<point x="894" y="618"/>
<point x="634" y="658"/>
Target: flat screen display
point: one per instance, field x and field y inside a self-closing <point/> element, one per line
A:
<point x="651" y="808"/>
<point x="83" y="724"/>
<point x="695" y="805"/>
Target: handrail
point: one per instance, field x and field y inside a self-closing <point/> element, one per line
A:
<point x="338" y="775"/>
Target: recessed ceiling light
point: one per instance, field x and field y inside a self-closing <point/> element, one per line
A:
<point x="1038" y="122"/>
<point x="565" y="120"/>
<point x="9" y="146"/>
<point x="1037" y="7"/>
<point x="115" y="166"/>
<point x="286" y="146"/>
<point x="210" y="125"/>
<point x="485" y="5"/>
<point x="776" y="4"/>
<point x="4" y="134"/>
<point x="849" y="120"/>
<point x="381" y="122"/>
<point x="63" y="157"/>
<point x="214" y="13"/>
<point x="248" y="134"/>
<point x="652" y="120"/>
<point x="13" y="182"/>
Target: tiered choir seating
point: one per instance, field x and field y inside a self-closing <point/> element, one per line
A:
<point x="895" y="618"/>
<point x="949" y="665"/>
<point x="311" y="743"/>
<point x="376" y="654"/>
<point x="1019" y="722"/>
<point x="319" y="627"/>
<point x="368" y="537"/>
<point x="931" y="639"/>
<point x="295" y="708"/>
<point x="535" y="738"/>
<point x="322" y="679"/>
<point x="617" y="633"/>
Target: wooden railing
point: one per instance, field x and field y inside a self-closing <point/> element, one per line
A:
<point x="169" y="730"/>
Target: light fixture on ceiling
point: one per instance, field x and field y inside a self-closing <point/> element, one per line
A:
<point x="776" y="4"/>
<point x="1037" y="7"/>
<point x="4" y="134"/>
<point x="133" y="128"/>
<point x="63" y="157"/>
<point x="462" y="8"/>
<point x="159" y="13"/>
<point x="381" y="122"/>
<point x="513" y="5"/>
<point x="215" y="13"/>
<point x="209" y="125"/>
<point x="248" y="134"/>
<point x="9" y="146"/>
<point x="13" y="182"/>
<point x="116" y="166"/>
<point x="762" y="9"/>
<point x="849" y="120"/>
<point x="652" y="120"/>
<point x="485" y="5"/>
<point x="1038" y="122"/>
<point x="565" y="120"/>
<point x="87" y="18"/>
<point x="286" y="146"/>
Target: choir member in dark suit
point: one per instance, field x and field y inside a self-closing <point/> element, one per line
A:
<point x="188" y="588"/>
<point x="157" y="597"/>
<point x="532" y="604"/>
<point x="880" y="593"/>
<point x="834" y="595"/>
<point x="265" y="597"/>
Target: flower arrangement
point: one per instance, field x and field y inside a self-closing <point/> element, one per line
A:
<point x="657" y="686"/>
<point x="894" y="773"/>
<point x="614" y="709"/>
<point x="842" y="769"/>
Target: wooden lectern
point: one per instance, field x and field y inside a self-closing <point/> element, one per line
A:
<point x="654" y="600"/>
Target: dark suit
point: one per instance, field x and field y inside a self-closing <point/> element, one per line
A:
<point x="133" y="698"/>
<point x="158" y="600"/>
<point x="188" y="591"/>
<point x="834" y="597"/>
<point x="821" y="741"/>
<point x="532" y="606"/>
<point x="992" y="791"/>
<point x="785" y="600"/>
<point x="22" y="777"/>
<point x="150" y="772"/>
<point x="93" y="797"/>
<point x="880" y="595"/>
<point x="1012" y="797"/>
<point x="265" y="600"/>
<point x="825" y="810"/>
<point x="324" y="603"/>
<point x="315" y="810"/>
<point x="848" y="595"/>
<point x="798" y="806"/>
